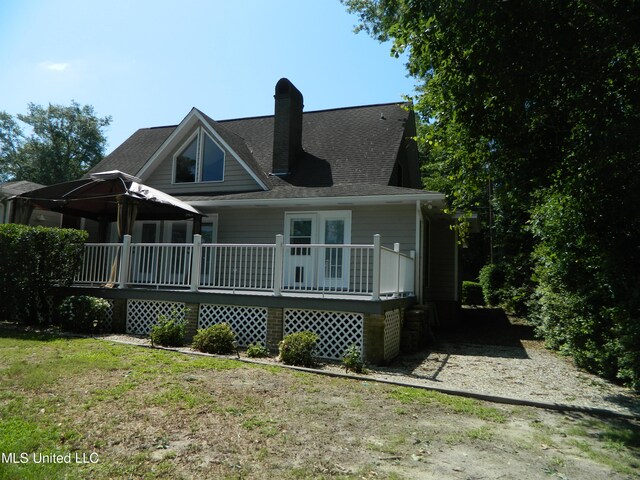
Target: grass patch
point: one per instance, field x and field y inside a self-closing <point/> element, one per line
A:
<point x="178" y="397"/>
<point x="461" y="405"/>
<point x="151" y="413"/>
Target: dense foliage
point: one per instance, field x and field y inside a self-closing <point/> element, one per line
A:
<point x="83" y="314"/>
<point x="257" y="350"/>
<point x="33" y="260"/>
<point x="63" y="143"/>
<point x="218" y="338"/>
<point x="299" y="348"/>
<point x="472" y="293"/>
<point x="531" y="112"/>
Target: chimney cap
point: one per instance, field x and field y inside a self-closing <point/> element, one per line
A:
<point x="285" y="87"/>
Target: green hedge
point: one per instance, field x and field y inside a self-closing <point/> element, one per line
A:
<point x="33" y="260"/>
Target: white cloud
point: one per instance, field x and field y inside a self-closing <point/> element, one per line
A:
<point x="55" y="67"/>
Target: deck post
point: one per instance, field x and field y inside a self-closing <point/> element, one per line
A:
<point x="278" y="265"/>
<point x="412" y="254"/>
<point x="375" y="295"/>
<point x="196" y="262"/>
<point x="125" y="255"/>
<point x="396" y="248"/>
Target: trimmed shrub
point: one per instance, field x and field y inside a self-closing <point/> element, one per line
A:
<point x="33" y="261"/>
<point x="472" y="293"/>
<point x="83" y="314"/>
<point x="257" y="350"/>
<point x="217" y="338"/>
<point x="352" y="359"/>
<point x="168" y="331"/>
<point x="298" y="348"/>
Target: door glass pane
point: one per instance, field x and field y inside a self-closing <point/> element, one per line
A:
<point x="178" y="233"/>
<point x="334" y="232"/>
<point x="207" y="232"/>
<point x="186" y="163"/>
<point x="300" y="235"/>
<point x="334" y="235"/>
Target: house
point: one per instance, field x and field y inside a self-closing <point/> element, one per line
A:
<point x="311" y="220"/>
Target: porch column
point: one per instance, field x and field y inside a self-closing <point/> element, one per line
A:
<point x="396" y="248"/>
<point x="125" y="256"/>
<point x="196" y="262"/>
<point x="373" y="338"/>
<point x="275" y="328"/>
<point x="278" y="265"/>
<point x="191" y="321"/>
<point x="375" y="295"/>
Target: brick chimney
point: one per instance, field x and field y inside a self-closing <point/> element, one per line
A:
<point x="287" y="127"/>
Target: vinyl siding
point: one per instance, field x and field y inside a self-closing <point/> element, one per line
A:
<point x="236" y="178"/>
<point x="394" y="223"/>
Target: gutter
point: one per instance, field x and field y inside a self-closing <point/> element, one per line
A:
<point x="323" y="201"/>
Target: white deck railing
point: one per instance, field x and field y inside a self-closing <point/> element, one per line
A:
<point x="364" y="270"/>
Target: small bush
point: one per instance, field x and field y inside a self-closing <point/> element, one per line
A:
<point x="217" y="338"/>
<point x="298" y="348"/>
<point x="168" y="331"/>
<point x="83" y="314"/>
<point x="257" y="350"/>
<point x="492" y="278"/>
<point x="472" y="293"/>
<point x="352" y="359"/>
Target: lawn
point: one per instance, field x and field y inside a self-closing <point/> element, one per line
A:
<point x="85" y="408"/>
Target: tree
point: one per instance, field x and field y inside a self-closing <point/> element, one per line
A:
<point x="64" y="143"/>
<point x="541" y="101"/>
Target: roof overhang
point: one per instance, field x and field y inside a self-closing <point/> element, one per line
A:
<point x="437" y="200"/>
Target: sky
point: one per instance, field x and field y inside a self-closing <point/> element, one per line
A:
<point x="146" y="63"/>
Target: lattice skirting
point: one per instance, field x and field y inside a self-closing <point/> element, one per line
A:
<point x="248" y="323"/>
<point x="143" y="314"/>
<point x="392" y="327"/>
<point x="108" y="318"/>
<point x="337" y="330"/>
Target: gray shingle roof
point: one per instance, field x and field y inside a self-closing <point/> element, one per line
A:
<point x="131" y="155"/>
<point x="354" y="145"/>
<point x="9" y="189"/>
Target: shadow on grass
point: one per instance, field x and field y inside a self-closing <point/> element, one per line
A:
<point x="21" y="331"/>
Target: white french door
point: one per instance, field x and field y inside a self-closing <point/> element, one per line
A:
<point x="314" y="267"/>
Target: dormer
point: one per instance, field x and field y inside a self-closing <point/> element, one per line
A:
<point x="202" y="156"/>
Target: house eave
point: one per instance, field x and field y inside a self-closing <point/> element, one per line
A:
<point x="437" y="199"/>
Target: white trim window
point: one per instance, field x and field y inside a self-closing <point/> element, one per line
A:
<point x="200" y="159"/>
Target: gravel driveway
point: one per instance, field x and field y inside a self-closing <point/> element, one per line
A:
<point x="498" y="356"/>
